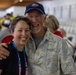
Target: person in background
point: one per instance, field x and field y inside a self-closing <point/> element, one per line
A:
<point x="2" y="27"/>
<point x="71" y="47"/>
<point x="2" y="20"/>
<point x="5" y="22"/>
<point x="12" y="16"/>
<point x="16" y="63"/>
<point x="53" y="25"/>
<point x="47" y="53"/>
<point x="5" y="33"/>
<point x="63" y="32"/>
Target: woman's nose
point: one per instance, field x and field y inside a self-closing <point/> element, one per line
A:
<point x="23" y="33"/>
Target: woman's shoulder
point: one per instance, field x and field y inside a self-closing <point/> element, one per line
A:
<point x="59" y="34"/>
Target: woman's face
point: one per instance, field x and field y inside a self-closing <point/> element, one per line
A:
<point x="21" y="33"/>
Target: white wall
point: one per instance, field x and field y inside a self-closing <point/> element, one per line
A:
<point x="17" y="10"/>
<point x="2" y="14"/>
<point x="9" y="10"/>
<point x="58" y="2"/>
<point x="60" y="8"/>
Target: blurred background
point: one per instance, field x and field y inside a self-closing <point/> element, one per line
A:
<point x="63" y="10"/>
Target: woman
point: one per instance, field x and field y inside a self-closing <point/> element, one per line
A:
<point x="16" y="63"/>
<point x="53" y="25"/>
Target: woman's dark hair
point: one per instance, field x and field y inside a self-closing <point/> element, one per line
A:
<point x="17" y="19"/>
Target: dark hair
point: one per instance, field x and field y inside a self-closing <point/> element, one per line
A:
<point x="17" y="19"/>
<point x="8" y="14"/>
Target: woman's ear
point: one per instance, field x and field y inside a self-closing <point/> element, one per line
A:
<point x="11" y="32"/>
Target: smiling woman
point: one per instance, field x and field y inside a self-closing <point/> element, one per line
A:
<point x="16" y="63"/>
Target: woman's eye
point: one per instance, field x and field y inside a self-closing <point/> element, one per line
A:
<point x="27" y="30"/>
<point x="19" y="30"/>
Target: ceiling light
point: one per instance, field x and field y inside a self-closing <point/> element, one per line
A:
<point x="20" y="0"/>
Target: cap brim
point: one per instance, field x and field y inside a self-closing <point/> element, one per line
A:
<point x="34" y="9"/>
